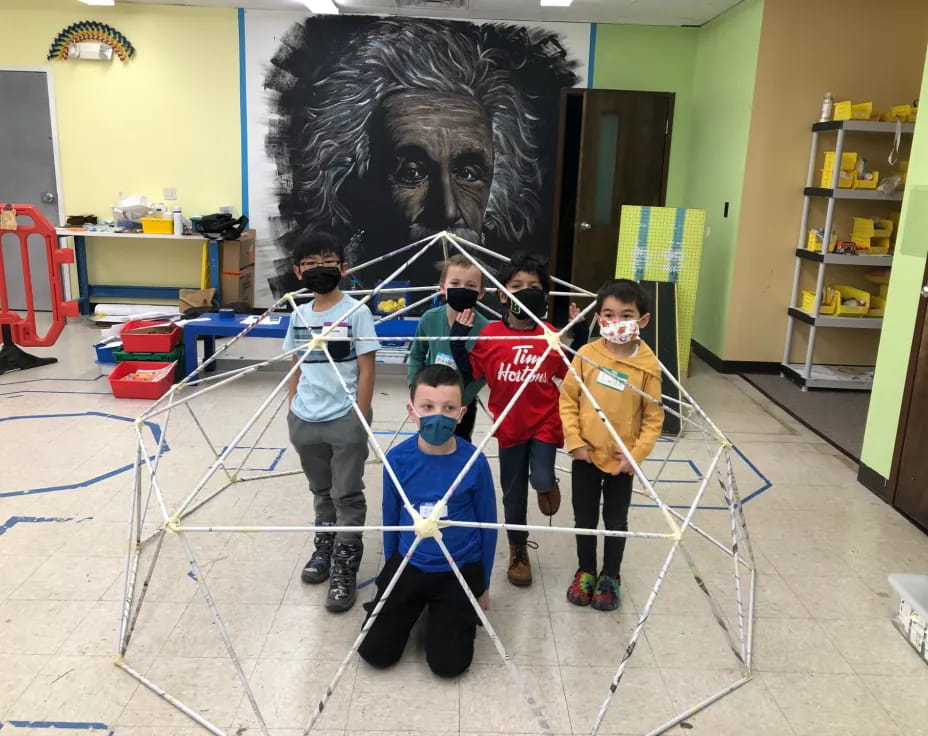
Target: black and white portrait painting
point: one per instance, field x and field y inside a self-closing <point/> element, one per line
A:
<point x="383" y="131"/>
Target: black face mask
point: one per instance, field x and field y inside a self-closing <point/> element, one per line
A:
<point x="322" y="280"/>
<point x="534" y="300"/>
<point x="460" y="298"/>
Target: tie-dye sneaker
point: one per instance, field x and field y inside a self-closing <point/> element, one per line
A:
<point x="606" y="595"/>
<point x="580" y="592"/>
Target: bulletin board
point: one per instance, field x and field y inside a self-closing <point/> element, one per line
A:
<point x="664" y="244"/>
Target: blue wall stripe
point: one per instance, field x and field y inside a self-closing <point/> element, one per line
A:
<point x="592" y="60"/>
<point x="243" y="109"/>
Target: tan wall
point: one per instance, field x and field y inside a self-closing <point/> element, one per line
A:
<point x="858" y="50"/>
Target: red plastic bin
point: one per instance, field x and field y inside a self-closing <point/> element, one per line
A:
<point x="123" y="389"/>
<point x="150" y="343"/>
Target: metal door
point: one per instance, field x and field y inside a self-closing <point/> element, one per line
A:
<point x="28" y="171"/>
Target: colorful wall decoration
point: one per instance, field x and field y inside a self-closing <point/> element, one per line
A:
<point x="90" y="30"/>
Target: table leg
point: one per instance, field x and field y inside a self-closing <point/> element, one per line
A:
<point x="215" y="268"/>
<point x="190" y="352"/>
<point x="209" y="347"/>
<point x="80" y="264"/>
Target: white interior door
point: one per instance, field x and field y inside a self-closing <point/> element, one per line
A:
<point x="28" y="172"/>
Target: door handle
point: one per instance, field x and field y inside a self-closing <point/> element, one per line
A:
<point x="48" y="197"/>
<point x="925" y="291"/>
<point x="585" y="226"/>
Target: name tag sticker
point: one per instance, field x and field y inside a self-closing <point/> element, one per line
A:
<point x="426" y="509"/>
<point x="612" y="379"/>
<point x="445" y="359"/>
<point x="341" y="330"/>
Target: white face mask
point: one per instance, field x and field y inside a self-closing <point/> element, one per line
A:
<point x="620" y="331"/>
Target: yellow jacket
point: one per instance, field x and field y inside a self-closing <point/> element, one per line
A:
<point x="637" y="420"/>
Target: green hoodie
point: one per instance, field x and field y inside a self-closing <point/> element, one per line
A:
<point x="434" y="323"/>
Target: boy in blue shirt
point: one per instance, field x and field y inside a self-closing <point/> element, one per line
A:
<point x="324" y="428"/>
<point x="426" y="465"/>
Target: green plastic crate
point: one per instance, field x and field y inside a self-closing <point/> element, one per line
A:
<point x="176" y="354"/>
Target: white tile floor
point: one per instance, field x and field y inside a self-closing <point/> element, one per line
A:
<point x="827" y="660"/>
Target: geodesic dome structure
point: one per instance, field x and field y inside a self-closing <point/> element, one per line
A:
<point x="171" y="510"/>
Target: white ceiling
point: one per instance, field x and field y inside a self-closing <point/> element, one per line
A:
<point x="638" y="12"/>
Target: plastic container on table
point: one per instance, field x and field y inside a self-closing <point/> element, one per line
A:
<point x="123" y="388"/>
<point x="157" y="225"/>
<point x="161" y="342"/>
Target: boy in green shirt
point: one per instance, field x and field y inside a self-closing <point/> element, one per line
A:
<point x="461" y="284"/>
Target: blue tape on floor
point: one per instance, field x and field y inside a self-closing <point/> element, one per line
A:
<point x="153" y="427"/>
<point x="72" y="725"/>
<point x="14" y="520"/>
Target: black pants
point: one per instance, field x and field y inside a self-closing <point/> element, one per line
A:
<point x="451" y="624"/>
<point x="588" y="485"/>
<point x="465" y="428"/>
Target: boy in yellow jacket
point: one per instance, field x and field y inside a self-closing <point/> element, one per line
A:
<point x="600" y="470"/>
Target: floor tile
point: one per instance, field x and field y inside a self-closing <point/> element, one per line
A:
<point x="822" y="705"/>
<point x="491" y="701"/>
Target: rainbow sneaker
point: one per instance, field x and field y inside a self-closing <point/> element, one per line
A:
<point x="606" y="595"/>
<point x="580" y="592"/>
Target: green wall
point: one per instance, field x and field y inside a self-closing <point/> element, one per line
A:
<point x="653" y="59"/>
<point x="901" y="306"/>
<point x="723" y="92"/>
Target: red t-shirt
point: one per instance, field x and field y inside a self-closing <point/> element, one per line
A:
<point x="506" y="365"/>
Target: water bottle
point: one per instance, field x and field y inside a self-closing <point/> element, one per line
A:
<point x="178" y="221"/>
<point x="828" y="107"/>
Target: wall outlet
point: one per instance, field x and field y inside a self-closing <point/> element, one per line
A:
<point x="170" y="194"/>
<point x="227" y="210"/>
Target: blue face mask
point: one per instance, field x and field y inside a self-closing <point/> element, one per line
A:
<point x="436" y="429"/>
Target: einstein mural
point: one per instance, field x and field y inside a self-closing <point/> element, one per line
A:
<point x="387" y="130"/>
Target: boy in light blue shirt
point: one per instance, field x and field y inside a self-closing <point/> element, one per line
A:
<point x="324" y="428"/>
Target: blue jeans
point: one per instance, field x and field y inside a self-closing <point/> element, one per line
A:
<point x="532" y="460"/>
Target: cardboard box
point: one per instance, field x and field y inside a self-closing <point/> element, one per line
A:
<point x="237" y="261"/>
<point x="240" y="287"/>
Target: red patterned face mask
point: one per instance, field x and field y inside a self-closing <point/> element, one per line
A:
<point x="619" y="331"/>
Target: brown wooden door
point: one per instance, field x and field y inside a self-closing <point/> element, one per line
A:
<point x="910" y="494"/>
<point x="615" y="148"/>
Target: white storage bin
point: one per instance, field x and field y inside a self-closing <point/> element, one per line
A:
<point x="910" y="609"/>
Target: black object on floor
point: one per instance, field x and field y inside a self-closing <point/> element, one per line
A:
<point x="838" y="417"/>
<point x="661" y="335"/>
<point x="13" y="357"/>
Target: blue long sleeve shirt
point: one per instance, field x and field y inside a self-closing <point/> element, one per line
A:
<point x="425" y="479"/>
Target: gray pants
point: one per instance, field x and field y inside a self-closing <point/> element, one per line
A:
<point x="333" y="454"/>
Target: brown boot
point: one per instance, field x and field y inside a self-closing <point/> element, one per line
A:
<point x="550" y="502"/>
<point x="520" y="569"/>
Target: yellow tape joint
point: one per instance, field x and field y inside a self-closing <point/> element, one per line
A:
<point x="430" y="526"/>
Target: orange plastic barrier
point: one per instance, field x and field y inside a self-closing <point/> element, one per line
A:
<point x="20" y="329"/>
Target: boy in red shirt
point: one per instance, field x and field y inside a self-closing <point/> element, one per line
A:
<point x="531" y="432"/>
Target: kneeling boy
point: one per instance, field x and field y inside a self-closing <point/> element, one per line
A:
<point x="426" y="465"/>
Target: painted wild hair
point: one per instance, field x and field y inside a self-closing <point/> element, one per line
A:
<point x="329" y="80"/>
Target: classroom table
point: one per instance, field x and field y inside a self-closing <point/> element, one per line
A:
<point x="88" y="292"/>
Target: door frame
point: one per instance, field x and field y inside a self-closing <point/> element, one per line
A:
<point x="53" y="114"/>
<point x="559" y="161"/>
<point x="921" y="316"/>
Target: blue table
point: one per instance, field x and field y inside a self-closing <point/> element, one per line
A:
<point x="211" y="325"/>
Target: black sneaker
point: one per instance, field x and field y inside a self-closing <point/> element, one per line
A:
<point x="343" y="581"/>
<point x="317" y="569"/>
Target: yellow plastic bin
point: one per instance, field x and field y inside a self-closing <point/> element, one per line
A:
<point x="157" y="226"/>
<point x="814" y="242"/>
<point x="851" y="302"/>
<point x="848" y="161"/>
<point x="826" y="307"/>
<point x="877" y="307"/>
<point x="865" y="183"/>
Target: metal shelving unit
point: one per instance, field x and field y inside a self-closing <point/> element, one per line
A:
<point x="808" y="374"/>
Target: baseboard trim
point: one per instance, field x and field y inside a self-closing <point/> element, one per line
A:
<point x="873" y="481"/>
<point x="733" y="366"/>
